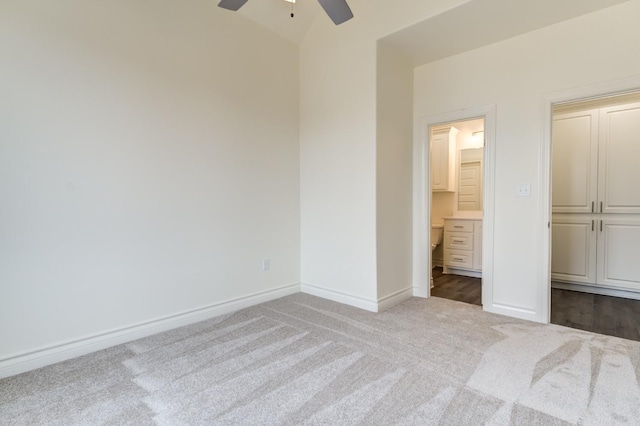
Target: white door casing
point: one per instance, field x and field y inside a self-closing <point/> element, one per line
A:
<point x="593" y="91"/>
<point x="422" y="200"/>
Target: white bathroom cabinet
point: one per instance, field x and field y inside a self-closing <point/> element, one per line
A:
<point x="443" y="159"/>
<point x="463" y="246"/>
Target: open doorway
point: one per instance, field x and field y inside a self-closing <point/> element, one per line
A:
<point x="422" y="194"/>
<point x="595" y="222"/>
<point x="457" y="200"/>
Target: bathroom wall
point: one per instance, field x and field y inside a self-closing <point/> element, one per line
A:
<point x="464" y="138"/>
<point x="441" y="207"/>
<point x="443" y="204"/>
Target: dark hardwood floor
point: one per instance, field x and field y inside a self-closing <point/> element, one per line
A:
<point x="613" y="316"/>
<point x="609" y="315"/>
<point x="457" y="287"/>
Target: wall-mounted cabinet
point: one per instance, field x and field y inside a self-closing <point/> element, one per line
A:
<point x="443" y="159"/>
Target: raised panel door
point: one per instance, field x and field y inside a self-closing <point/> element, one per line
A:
<point x="440" y="162"/>
<point x="618" y="249"/>
<point x="470" y="186"/>
<point x="619" y="159"/>
<point x="575" y="162"/>
<point x="442" y="159"/>
<point x="573" y="248"/>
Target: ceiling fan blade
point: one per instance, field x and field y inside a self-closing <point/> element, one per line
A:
<point x="232" y="4"/>
<point x="338" y="10"/>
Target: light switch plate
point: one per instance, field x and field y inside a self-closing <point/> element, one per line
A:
<point x="523" y="190"/>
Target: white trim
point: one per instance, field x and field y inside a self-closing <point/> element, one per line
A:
<point x="394" y="299"/>
<point x="421" y="292"/>
<point x="603" y="291"/>
<point x="512" y="311"/>
<point x="548" y="100"/>
<point x="422" y="198"/>
<point x="464" y="272"/>
<point x="19" y="363"/>
<point x="337" y="296"/>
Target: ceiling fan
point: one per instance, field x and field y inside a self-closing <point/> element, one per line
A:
<point x="338" y="10"/>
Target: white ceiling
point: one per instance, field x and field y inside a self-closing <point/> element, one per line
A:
<point x="472" y="25"/>
<point x="482" y="22"/>
<point x="276" y="16"/>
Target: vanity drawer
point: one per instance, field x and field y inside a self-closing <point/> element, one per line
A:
<point x="458" y="240"/>
<point x="458" y="259"/>
<point x="458" y="225"/>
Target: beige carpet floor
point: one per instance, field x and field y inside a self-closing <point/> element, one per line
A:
<point x="301" y="360"/>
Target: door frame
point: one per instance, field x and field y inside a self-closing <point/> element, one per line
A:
<point x="422" y="197"/>
<point x="583" y="93"/>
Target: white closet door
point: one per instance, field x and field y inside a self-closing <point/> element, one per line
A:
<point x="619" y="252"/>
<point x="574" y="248"/>
<point x="619" y="167"/>
<point x="470" y="186"/>
<point x="575" y="162"/>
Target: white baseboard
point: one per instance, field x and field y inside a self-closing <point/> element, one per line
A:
<point x="21" y="363"/>
<point x="394" y="299"/>
<point x="422" y="292"/>
<point x="512" y="311"/>
<point x="356" y="301"/>
<point x="603" y="291"/>
<point x="336" y="296"/>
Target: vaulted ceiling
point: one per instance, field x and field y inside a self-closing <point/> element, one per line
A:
<point x="275" y="15"/>
<point x="471" y="25"/>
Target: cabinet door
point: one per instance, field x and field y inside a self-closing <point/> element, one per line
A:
<point x="618" y="248"/>
<point x="443" y="159"/>
<point x="619" y="168"/>
<point x="573" y="248"/>
<point x="575" y="162"/>
<point x="440" y="162"/>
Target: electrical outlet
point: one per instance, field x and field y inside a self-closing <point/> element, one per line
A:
<point x="523" y="190"/>
<point x="266" y="264"/>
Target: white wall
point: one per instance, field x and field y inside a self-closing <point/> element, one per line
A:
<point x="149" y="161"/>
<point x="338" y="131"/>
<point x="442" y="205"/>
<point x="394" y="161"/>
<point x="516" y="75"/>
